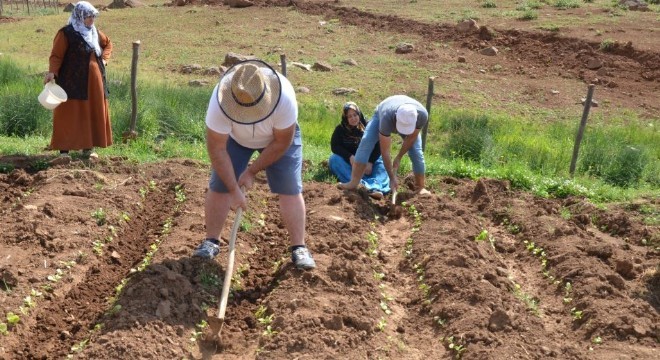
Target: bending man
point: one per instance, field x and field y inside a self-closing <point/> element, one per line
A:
<point x="397" y="114"/>
<point x="254" y="108"/>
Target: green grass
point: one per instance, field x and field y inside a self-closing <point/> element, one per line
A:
<point x="619" y="159"/>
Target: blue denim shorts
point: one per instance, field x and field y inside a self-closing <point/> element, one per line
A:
<point x="284" y="175"/>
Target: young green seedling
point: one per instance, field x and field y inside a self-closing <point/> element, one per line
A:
<point x="100" y="216"/>
<point x="196" y="334"/>
<point x="372" y="238"/>
<point x="382" y="324"/>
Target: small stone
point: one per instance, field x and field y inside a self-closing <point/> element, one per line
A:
<point x="594" y="103"/>
<point x="349" y="62"/>
<point x="489" y="51"/>
<point x="321" y="66"/>
<point x="594" y="64"/>
<point x="467" y="26"/>
<point x="404" y="48"/>
<point x="461" y="59"/>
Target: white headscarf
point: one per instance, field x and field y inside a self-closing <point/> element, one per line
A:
<point x="81" y="10"/>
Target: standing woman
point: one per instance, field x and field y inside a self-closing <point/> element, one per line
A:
<point x="77" y="63"/>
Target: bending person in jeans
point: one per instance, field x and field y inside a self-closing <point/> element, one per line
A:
<point x="254" y="108"/>
<point x="344" y="144"/>
<point x="397" y="114"/>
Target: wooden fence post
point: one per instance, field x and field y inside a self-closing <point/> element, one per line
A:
<point x="583" y="124"/>
<point x="283" y="62"/>
<point x="132" y="134"/>
<point x="429" y="98"/>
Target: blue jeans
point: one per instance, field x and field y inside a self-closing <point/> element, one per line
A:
<point x="370" y="138"/>
<point x="377" y="181"/>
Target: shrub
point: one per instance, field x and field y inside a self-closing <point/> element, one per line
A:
<point x="489" y="4"/>
<point x="528" y="15"/>
<point x="470" y="138"/>
<point x="566" y="4"/>
<point x="607" y="45"/>
<point x="627" y="167"/>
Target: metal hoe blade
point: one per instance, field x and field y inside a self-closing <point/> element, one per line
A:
<point x="395" y="210"/>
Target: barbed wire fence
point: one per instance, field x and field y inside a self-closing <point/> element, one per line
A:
<point x="27" y="6"/>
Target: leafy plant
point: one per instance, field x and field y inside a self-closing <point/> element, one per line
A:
<point x="382" y="324"/>
<point x="457" y="348"/>
<point x="98" y="246"/>
<point x="378" y="275"/>
<point x="196" y="334"/>
<point x="80" y="346"/>
<point x="528" y="14"/>
<point x="483" y="235"/>
<point x="550" y="27"/>
<point x="408" y="249"/>
<point x="208" y="279"/>
<point x="100" y="216"/>
<point x="439" y="320"/>
<point x="532" y="303"/>
<point x="577" y="314"/>
<point x="13" y="319"/>
<point x="385" y="308"/>
<point x="489" y="4"/>
<point x="179" y="194"/>
<point x="607" y="45"/>
<point x="372" y="238"/>
<point x="268" y="331"/>
<point x="57" y="276"/>
<point x="262" y="220"/>
<point x="568" y="289"/>
<point x="566" y="4"/>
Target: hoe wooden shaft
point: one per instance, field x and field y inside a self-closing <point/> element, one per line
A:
<point x="230" y="265"/>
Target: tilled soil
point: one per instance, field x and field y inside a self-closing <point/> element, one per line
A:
<point x="95" y="259"/>
<point x="477" y="270"/>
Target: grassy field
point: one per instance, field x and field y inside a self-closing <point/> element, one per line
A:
<point x="528" y="145"/>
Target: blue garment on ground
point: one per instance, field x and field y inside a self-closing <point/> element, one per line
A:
<point x="377" y="181"/>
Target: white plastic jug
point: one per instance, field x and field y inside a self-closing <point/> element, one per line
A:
<point x="52" y="95"/>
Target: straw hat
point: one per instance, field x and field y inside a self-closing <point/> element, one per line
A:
<point x="249" y="92"/>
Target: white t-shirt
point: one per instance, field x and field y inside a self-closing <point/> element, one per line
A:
<point x="255" y="136"/>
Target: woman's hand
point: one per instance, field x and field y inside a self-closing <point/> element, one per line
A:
<point x="105" y="62"/>
<point x="49" y="77"/>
